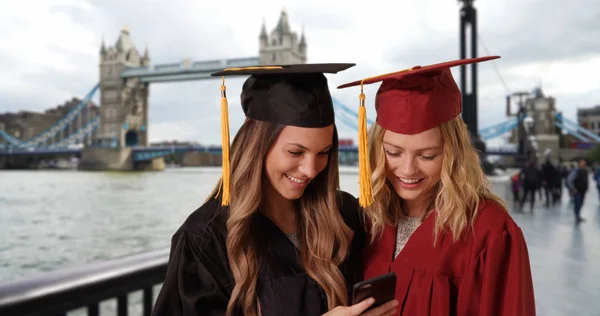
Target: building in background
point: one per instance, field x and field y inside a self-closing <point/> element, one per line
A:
<point x="589" y="118"/>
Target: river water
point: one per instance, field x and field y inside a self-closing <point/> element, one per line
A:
<point x="56" y="218"/>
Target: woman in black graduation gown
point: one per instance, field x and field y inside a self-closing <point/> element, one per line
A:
<point x="276" y="237"/>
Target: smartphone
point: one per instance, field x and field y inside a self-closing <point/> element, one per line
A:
<point x="381" y="288"/>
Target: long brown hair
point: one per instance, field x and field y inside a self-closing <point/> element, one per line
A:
<point x="323" y="235"/>
<point x="463" y="184"/>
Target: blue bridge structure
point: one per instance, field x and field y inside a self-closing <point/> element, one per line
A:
<point x="120" y="129"/>
<point x="52" y="142"/>
<point x="55" y="142"/>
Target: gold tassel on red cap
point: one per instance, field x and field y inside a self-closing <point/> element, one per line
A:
<point x="224" y="146"/>
<point x="366" y="195"/>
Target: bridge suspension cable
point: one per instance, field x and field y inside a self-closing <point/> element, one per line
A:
<point x="349" y="111"/>
<point x="487" y="52"/>
<point x="575" y="129"/>
<point x="347" y="121"/>
<point x="78" y="135"/>
<point x="54" y="129"/>
<point x="350" y="118"/>
<point x="500" y="128"/>
<point x="570" y="131"/>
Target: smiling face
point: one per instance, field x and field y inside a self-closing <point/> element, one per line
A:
<point x="297" y="156"/>
<point x="413" y="163"/>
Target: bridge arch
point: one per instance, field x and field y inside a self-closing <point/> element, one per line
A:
<point x="131" y="138"/>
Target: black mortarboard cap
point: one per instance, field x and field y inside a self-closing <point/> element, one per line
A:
<point x="294" y="95"/>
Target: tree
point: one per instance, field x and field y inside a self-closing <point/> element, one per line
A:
<point x="594" y="154"/>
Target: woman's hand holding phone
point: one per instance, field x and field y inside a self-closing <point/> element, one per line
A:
<point x="359" y="308"/>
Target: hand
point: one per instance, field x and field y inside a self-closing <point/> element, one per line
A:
<point x="358" y="309"/>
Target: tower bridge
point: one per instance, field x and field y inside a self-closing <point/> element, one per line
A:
<point x="125" y="77"/>
<point x="114" y="136"/>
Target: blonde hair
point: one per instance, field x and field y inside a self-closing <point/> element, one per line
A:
<point x="456" y="198"/>
<point x="323" y="235"/>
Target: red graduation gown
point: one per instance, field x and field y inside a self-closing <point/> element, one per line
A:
<point x="487" y="272"/>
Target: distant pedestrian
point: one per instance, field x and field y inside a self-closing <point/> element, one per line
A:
<point x="578" y="185"/>
<point x="558" y="184"/>
<point x="548" y="173"/>
<point x="515" y="181"/>
<point x="530" y="176"/>
<point x="597" y="179"/>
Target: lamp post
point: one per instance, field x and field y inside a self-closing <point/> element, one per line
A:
<point x="468" y="24"/>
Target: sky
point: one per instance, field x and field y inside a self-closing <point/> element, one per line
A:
<point x="49" y="50"/>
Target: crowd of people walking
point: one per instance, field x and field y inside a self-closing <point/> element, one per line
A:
<point x="547" y="182"/>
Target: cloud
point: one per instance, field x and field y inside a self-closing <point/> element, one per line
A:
<point x="543" y="33"/>
<point x="49" y="50"/>
<point x="46" y="56"/>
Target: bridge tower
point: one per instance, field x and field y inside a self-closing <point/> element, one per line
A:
<point x="542" y="110"/>
<point x="125" y="75"/>
<point x="282" y="46"/>
<point x="123" y="102"/>
<point x="123" y="107"/>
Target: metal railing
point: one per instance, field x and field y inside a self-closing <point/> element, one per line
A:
<point x="65" y="290"/>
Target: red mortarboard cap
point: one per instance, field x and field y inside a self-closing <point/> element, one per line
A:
<point x="417" y="99"/>
<point x="408" y="102"/>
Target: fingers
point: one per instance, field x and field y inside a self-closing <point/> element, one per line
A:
<point x="360" y="307"/>
<point x="388" y="308"/>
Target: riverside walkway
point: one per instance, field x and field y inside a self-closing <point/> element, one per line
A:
<point x="565" y="257"/>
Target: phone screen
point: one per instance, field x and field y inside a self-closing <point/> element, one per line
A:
<point x="381" y="288"/>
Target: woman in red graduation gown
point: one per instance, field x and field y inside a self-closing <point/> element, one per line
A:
<point x="432" y="217"/>
<point x="276" y="237"/>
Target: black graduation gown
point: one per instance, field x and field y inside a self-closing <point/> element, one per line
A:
<point x="199" y="280"/>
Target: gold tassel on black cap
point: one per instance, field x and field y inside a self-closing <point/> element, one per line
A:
<point x="225" y="186"/>
<point x="365" y="197"/>
<point x="224" y="146"/>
